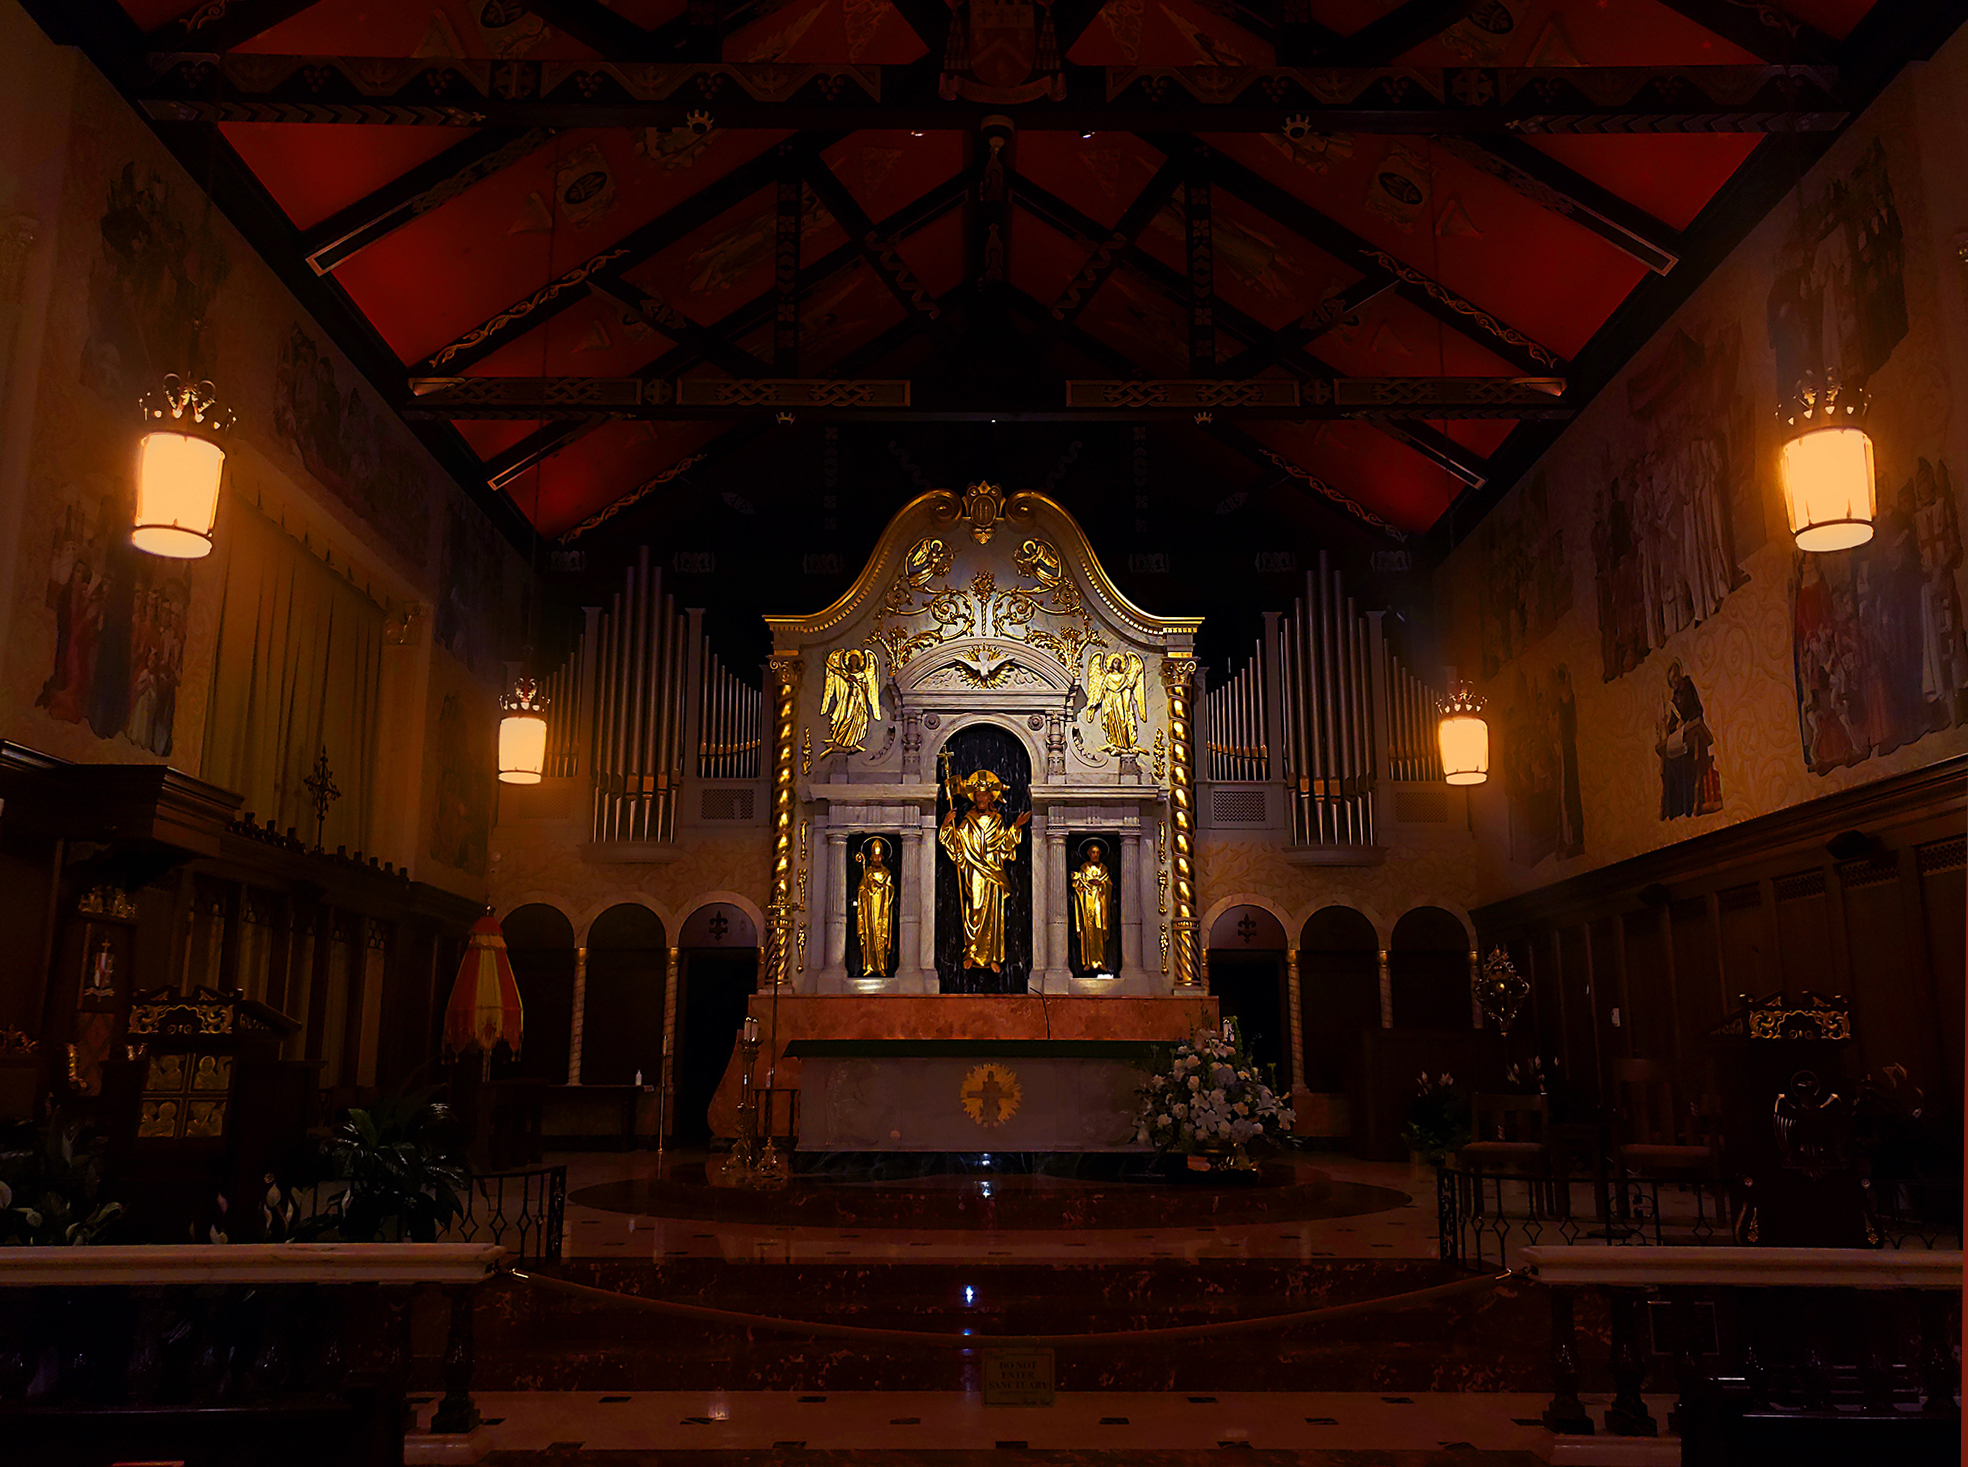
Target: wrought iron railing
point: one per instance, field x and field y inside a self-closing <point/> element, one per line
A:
<point x="524" y="1211"/>
<point x="1487" y="1217"/>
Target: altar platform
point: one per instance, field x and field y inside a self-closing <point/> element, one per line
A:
<point x="1081" y="1090"/>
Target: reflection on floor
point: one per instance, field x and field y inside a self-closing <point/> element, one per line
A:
<point x="1398" y="1220"/>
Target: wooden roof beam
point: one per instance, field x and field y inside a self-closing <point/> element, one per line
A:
<point x="1551" y="185"/>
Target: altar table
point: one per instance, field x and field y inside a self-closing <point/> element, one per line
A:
<point x="970" y="1095"/>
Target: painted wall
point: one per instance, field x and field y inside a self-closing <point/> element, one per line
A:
<point x="114" y="270"/>
<point x="1659" y="659"/>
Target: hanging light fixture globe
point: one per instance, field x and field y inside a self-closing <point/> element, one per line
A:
<point x="1826" y="466"/>
<point x="1464" y="737"/>
<point x="523" y="734"/>
<point x="180" y="461"/>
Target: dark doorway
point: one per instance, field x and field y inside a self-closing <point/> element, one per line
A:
<point x="716" y="985"/>
<point x="986" y="746"/>
<point x="1250" y="989"/>
<point x="1428" y="971"/>
<point x="1339" y="984"/>
<point x="540" y="946"/>
<point x="622" y="1023"/>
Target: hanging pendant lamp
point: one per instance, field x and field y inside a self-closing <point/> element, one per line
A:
<point x="1464" y="737"/>
<point x="180" y="461"/>
<point x="1826" y="465"/>
<point x="523" y="734"/>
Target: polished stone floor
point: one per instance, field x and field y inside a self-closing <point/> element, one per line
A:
<point x="1398" y="1221"/>
<point x="1139" y="1429"/>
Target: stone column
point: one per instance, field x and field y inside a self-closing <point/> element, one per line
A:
<point x="1178" y="673"/>
<point x="1043" y="900"/>
<point x="1293" y="1000"/>
<point x="580" y="1014"/>
<point x="834" y="873"/>
<point x="783" y="674"/>
<point x="924" y="903"/>
<point x="1059" y="976"/>
<point x="673" y="978"/>
<point x="1386" y="992"/>
<point x="1134" y="921"/>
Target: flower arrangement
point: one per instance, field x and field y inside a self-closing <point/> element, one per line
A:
<point x="1437" y="1119"/>
<point x="1210" y="1096"/>
<point x="50" y="1185"/>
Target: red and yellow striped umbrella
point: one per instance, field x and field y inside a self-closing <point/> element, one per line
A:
<point x="485" y="1005"/>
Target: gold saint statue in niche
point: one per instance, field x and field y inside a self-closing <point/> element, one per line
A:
<point x="852" y="698"/>
<point x="1115" y="698"/>
<point x="981" y="844"/>
<point x="1093" y="893"/>
<point x="874" y="909"/>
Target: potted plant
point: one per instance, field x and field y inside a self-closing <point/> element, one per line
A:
<point x="1436" y="1124"/>
<point x="50" y="1186"/>
<point x="1210" y="1102"/>
<point x="398" y="1158"/>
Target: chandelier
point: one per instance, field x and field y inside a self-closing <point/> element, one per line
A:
<point x="1464" y="737"/>
<point x="180" y="461"/>
<point x="523" y="733"/>
<point x="1826" y="465"/>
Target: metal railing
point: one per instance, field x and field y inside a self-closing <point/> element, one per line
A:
<point x="1488" y="1217"/>
<point x="524" y="1211"/>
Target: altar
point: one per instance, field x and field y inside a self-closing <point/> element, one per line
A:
<point x="982" y="914"/>
<point x="915" y="1061"/>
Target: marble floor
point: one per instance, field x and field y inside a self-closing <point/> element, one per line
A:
<point x="1406" y="1229"/>
<point x="1137" y="1426"/>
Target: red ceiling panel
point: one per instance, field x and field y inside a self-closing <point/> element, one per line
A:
<point x="457" y="266"/>
<point x="314" y="171"/>
<point x="864" y="32"/>
<point x="1671" y="176"/>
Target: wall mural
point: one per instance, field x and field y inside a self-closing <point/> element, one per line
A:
<point x="119" y="621"/>
<point x="343" y="443"/>
<point x="1838" y="288"/>
<point x="1686" y="746"/>
<point x="1663" y="537"/>
<point x="471" y="577"/>
<point x="150" y="289"/>
<point x="1538" y="733"/>
<point x="1877" y="632"/>
<point x="461" y="793"/>
<point x="1527" y="581"/>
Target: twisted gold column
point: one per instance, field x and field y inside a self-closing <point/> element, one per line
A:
<point x="1178" y="676"/>
<point x="784" y="670"/>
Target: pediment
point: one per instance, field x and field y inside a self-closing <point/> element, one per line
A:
<point x="984" y="666"/>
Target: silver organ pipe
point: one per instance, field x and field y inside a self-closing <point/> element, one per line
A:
<point x="1236" y="741"/>
<point x="729" y="746"/>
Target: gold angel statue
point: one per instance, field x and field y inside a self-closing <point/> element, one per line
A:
<point x="981" y="845"/>
<point x="852" y="698"/>
<point x="1115" y="698"/>
<point x="874" y="909"/>
<point x="1093" y="890"/>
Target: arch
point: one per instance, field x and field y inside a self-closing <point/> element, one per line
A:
<point x="949" y="725"/>
<point x="622" y="1018"/>
<point x="1245" y="899"/>
<point x="1428" y="970"/>
<point x="620" y="899"/>
<point x="1247" y="977"/>
<point x="540" y="947"/>
<point x="1339" y="991"/>
<point x="710" y="898"/>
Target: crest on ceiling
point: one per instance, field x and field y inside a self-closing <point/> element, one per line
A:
<point x="1002" y="51"/>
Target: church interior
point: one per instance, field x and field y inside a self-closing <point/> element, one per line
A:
<point x="742" y="731"/>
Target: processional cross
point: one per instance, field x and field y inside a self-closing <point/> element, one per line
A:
<point x="322" y="787"/>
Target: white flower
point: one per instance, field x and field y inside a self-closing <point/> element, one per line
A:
<point x="1241" y="1109"/>
<point x="1194" y="1083"/>
<point x="6" y="1196"/>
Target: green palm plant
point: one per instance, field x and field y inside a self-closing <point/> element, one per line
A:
<point x="398" y="1159"/>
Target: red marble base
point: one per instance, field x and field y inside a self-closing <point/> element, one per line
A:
<point x="944" y="1016"/>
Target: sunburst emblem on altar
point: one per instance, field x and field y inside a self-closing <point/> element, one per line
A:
<point x="990" y="1095"/>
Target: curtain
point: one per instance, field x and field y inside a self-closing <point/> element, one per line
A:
<point x="298" y="673"/>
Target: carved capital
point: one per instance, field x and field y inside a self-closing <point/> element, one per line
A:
<point x="1178" y="673"/>
<point x="786" y="667"/>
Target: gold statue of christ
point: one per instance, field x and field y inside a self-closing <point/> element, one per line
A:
<point x="980" y="844"/>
